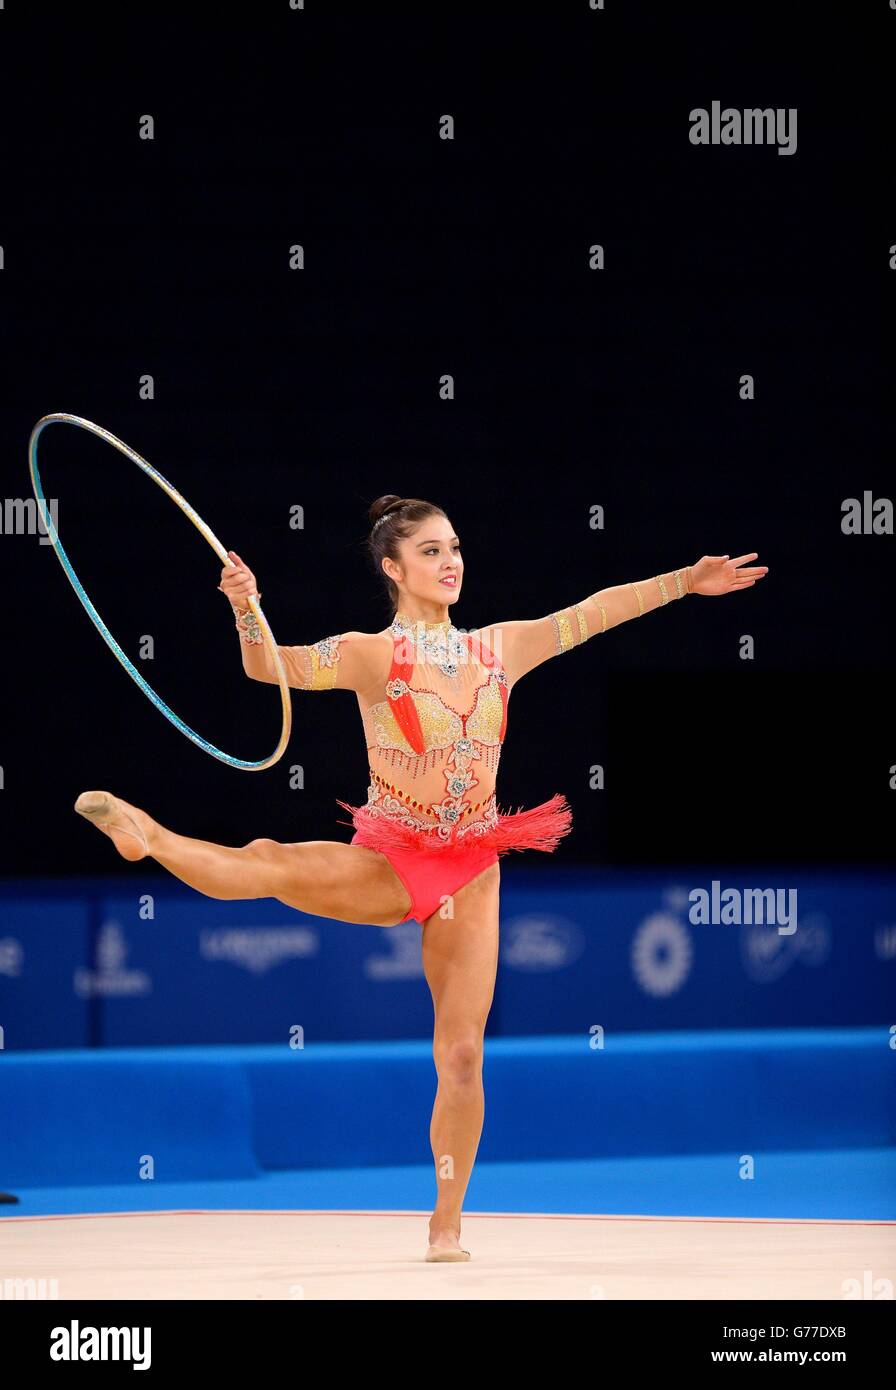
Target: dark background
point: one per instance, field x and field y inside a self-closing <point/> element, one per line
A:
<point x="319" y="388"/>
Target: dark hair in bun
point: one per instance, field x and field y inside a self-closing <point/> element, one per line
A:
<point x="393" y="519"/>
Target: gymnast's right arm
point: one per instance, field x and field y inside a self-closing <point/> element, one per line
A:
<point x="348" y="661"/>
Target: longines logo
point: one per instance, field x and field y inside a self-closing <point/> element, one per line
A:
<point x="258" y="949"/>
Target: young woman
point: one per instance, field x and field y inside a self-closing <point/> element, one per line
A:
<point x="433" y="704"/>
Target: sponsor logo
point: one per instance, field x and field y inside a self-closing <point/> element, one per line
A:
<point x="541" y="943"/>
<point x="662" y="954"/>
<point x="258" y="949"/>
<point x="110" y="977"/>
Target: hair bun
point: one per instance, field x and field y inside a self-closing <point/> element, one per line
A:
<point x="383" y="506"/>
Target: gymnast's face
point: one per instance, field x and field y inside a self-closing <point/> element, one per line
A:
<point x="431" y="566"/>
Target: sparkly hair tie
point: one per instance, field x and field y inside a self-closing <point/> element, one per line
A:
<point x="385" y="517"/>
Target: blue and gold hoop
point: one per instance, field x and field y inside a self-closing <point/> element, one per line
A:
<point x="270" y="644"/>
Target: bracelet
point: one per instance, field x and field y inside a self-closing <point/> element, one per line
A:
<point x="562" y="632"/>
<point x="662" y="583"/>
<point x="566" y="636"/>
<point x="640" y="600"/>
<point x="247" y="625"/>
<point x="678" y="584"/>
<point x="601" y="610"/>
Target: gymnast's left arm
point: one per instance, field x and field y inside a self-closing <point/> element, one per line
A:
<point x="522" y="645"/>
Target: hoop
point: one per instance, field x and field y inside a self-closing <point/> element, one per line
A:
<point x="270" y="644"/>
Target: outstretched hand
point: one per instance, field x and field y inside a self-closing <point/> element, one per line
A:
<point x="719" y="574"/>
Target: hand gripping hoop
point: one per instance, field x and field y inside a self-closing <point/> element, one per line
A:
<point x="270" y="644"/>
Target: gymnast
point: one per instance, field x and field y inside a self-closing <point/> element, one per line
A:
<point x="426" y="845"/>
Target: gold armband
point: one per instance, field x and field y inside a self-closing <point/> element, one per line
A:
<point x="569" y="636"/>
<point x="563" y="629"/>
<point x="566" y="637"/>
<point x="686" y="587"/>
<point x="317" y="664"/>
<point x="324" y="657"/>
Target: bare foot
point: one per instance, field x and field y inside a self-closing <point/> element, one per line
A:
<point x="444" y="1246"/>
<point x="128" y="827"/>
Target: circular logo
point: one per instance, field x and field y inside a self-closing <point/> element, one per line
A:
<point x="662" y="954"/>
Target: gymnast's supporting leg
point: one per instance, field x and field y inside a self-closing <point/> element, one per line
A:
<point x="326" y="878"/>
<point x="460" y="959"/>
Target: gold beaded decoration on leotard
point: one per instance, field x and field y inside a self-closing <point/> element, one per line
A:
<point x="420" y="805"/>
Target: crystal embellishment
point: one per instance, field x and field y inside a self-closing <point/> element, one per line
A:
<point x="440" y="644"/>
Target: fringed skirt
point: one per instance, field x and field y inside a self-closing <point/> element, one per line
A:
<point x="433" y="867"/>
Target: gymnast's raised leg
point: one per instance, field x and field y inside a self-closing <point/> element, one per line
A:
<point x="349" y="883"/>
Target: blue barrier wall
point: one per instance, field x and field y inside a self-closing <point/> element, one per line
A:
<point x="88" y="963"/>
<point x="235" y="1112"/>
